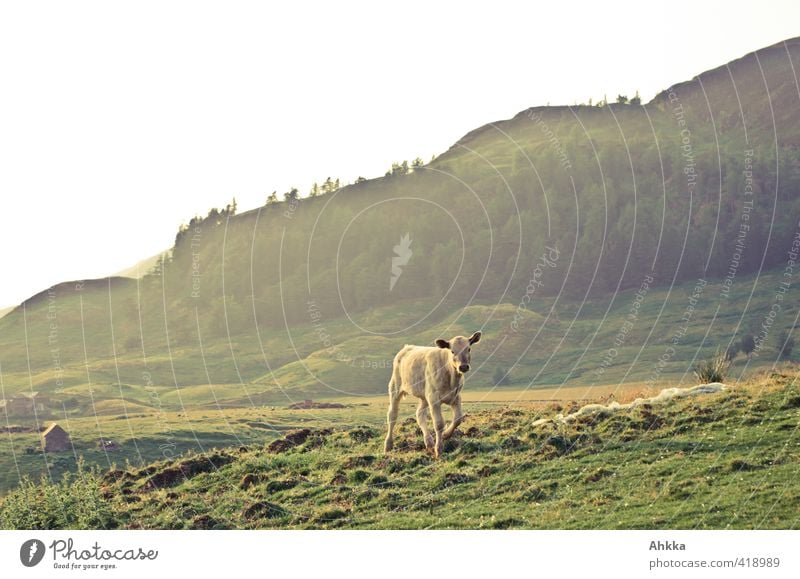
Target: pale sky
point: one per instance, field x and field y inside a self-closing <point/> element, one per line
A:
<point x="120" y="121"/>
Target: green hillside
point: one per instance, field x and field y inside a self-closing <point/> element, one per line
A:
<point x="613" y="191"/>
<point x="724" y="461"/>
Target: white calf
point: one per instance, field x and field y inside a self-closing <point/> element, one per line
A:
<point x="435" y="375"/>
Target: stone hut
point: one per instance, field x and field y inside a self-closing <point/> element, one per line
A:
<point x="55" y="439"/>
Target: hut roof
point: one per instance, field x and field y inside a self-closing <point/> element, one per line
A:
<point x="53" y="428"/>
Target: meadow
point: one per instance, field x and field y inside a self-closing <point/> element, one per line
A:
<point x="724" y="461"/>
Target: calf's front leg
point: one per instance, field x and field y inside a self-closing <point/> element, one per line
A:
<point x="458" y="418"/>
<point x="438" y="427"/>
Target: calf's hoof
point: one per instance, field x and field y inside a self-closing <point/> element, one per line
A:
<point x="388" y="445"/>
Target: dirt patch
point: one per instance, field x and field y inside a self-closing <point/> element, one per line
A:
<point x="203" y="522"/>
<point x="263" y="510"/>
<point x="511" y="443"/>
<point x="738" y="465"/>
<point x="291" y="440"/>
<point x="486" y="470"/>
<point x="117" y="475"/>
<point x="363" y="433"/>
<point x="298" y="437"/>
<point x="599" y="474"/>
<point x="275" y="486"/>
<point x="472" y="432"/>
<point x="185" y="469"/>
<point x="792" y="402"/>
<point x="248" y="480"/>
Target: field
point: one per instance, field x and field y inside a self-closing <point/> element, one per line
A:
<point x="144" y="435"/>
<point x="726" y="460"/>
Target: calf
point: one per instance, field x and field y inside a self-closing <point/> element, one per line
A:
<point x="435" y="375"/>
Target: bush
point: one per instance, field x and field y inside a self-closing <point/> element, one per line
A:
<point x="713" y="369"/>
<point x="76" y="502"/>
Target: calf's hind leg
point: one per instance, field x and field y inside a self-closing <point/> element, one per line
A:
<point x="391" y="418"/>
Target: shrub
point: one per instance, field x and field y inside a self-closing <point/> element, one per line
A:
<point x="713" y="369"/>
<point x="75" y="502"/>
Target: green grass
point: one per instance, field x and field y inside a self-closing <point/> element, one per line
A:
<point x="721" y="461"/>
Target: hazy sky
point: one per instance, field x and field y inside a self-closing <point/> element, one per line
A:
<point x="120" y="121"/>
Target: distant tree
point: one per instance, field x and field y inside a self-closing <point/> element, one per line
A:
<point x="622" y="99"/>
<point x="329" y="186"/>
<point x="747" y="344"/>
<point x="361" y="179"/>
<point x="272" y="198"/>
<point x="291" y="194"/>
<point x="399" y="169"/>
<point x="636" y="100"/>
<point x="785" y="345"/>
<point x="230" y="208"/>
<point x="314" y="190"/>
<point x="500" y="377"/>
<point x="158" y="267"/>
<point x="417" y="163"/>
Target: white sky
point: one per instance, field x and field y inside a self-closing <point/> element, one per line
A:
<point x="120" y="121"/>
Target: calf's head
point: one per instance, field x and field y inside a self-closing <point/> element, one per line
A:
<point x="460" y="349"/>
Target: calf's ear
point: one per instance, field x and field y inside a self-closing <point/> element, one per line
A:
<point x="443" y="344"/>
<point x="475" y="338"/>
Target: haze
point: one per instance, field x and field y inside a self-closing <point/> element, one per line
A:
<point x="118" y="123"/>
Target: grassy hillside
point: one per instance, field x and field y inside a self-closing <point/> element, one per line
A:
<point x="725" y="461"/>
<point x="253" y="297"/>
<point x="550" y="342"/>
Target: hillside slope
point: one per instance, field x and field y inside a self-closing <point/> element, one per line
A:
<point x="561" y="212"/>
<point x="725" y="461"/>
